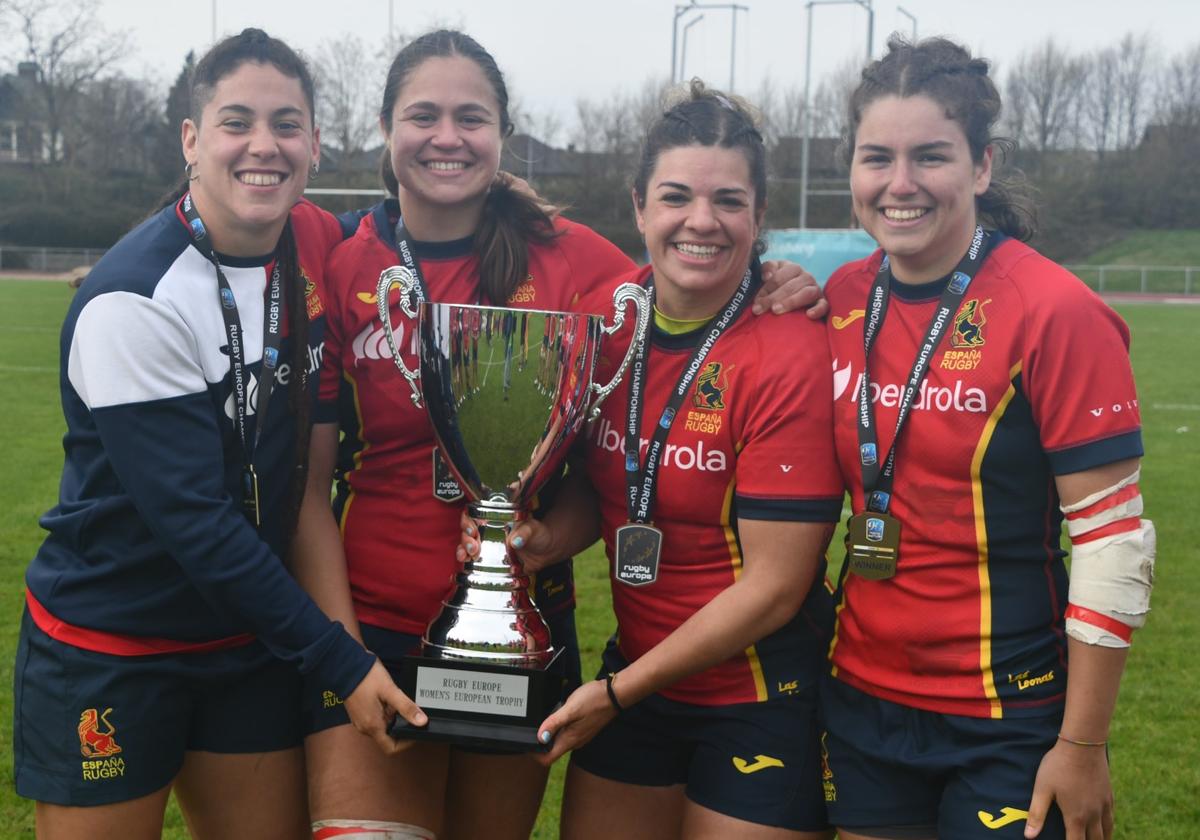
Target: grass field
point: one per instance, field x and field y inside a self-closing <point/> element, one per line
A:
<point x="1157" y="729"/>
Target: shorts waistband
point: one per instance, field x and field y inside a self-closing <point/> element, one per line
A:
<point x="120" y="644"/>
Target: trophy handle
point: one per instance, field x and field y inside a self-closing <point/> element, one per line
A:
<point x="401" y="276"/>
<point x="623" y="294"/>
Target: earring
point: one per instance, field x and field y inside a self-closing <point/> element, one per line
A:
<point x="316" y="167"/>
<point x="189" y="171"/>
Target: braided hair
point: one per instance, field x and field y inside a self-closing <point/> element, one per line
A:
<point x="706" y="117"/>
<point x="946" y="73"/>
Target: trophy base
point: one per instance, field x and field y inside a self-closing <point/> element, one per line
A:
<point x="490" y="706"/>
<point x="502" y="737"/>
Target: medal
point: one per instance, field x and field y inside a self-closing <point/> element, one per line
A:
<point x="445" y="486"/>
<point x="873" y="545"/>
<point x="250" y="495"/>
<point x="638" y="548"/>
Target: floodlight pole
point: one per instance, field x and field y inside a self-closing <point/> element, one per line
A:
<point x="683" y="48"/>
<point x="804" y="143"/>
<point x="912" y="18"/>
<point x="680" y="11"/>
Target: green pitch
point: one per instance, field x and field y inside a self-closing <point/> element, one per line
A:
<point x="1156" y="776"/>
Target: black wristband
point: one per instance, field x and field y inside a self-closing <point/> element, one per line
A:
<point x="612" y="695"/>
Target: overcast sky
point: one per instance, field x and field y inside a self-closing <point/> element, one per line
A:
<point x="556" y="51"/>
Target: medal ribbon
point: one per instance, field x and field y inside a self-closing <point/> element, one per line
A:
<point x="272" y="338"/>
<point x="877" y="481"/>
<point x="404" y="252"/>
<point x="641" y="481"/>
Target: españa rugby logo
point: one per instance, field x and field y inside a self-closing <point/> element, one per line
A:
<point x="710" y="389"/>
<point x="98" y="746"/>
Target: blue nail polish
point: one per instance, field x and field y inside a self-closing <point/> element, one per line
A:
<point x="518" y="542"/>
<point x="544" y="736"/>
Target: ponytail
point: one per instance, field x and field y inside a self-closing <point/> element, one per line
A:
<point x="511" y="220"/>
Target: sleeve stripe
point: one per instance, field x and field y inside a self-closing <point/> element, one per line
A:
<point x="1120" y="497"/>
<point x="1122" y="631"/>
<point x="789" y="510"/>
<point x="1121" y="526"/>
<point x="1096" y="453"/>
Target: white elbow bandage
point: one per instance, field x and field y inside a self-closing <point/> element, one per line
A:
<point x="1112" y="565"/>
<point x="368" y="830"/>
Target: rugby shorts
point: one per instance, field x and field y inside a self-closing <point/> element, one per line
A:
<point x="895" y="771"/>
<point x="756" y="762"/>
<point x="95" y="728"/>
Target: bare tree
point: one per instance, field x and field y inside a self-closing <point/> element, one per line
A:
<point x="1178" y="97"/>
<point x="1043" y="90"/>
<point x="346" y="108"/>
<point x="70" y="49"/>
<point x="118" y="125"/>
<point x="1101" y="98"/>
<point x="1133" y="79"/>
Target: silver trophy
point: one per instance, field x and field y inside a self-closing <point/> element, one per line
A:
<point x="507" y="390"/>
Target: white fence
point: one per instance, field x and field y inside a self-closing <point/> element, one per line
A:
<point x="1145" y="279"/>
<point x="49" y="260"/>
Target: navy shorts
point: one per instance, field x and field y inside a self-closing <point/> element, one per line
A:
<point x="94" y="728"/>
<point x="911" y="772"/>
<point x="757" y="762"/>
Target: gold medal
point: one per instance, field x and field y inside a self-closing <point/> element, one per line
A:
<point x="873" y="545"/>
<point x="638" y="548"/>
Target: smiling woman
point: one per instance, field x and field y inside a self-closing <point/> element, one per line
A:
<point x="972" y="683"/>
<point x="715" y="548"/>
<point x="249" y="150"/>
<point x="162" y="634"/>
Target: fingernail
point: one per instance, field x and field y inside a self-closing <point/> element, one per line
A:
<point x="420" y="720"/>
<point x="778" y="309"/>
<point x="544" y="736"/>
<point x="518" y="542"/>
<point x="472" y="548"/>
<point x="470" y="531"/>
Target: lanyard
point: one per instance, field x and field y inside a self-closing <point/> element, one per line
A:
<point x="272" y="337"/>
<point x="641" y="483"/>
<point x="877" y="481"/>
<point x="404" y="252"/>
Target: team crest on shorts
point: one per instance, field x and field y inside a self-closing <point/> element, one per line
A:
<point x="96" y="734"/>
<point x="99" y="747"/>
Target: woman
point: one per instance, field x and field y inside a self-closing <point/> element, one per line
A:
<point x="703" y="721"/>
<point x="162" y="633"/>
<point x="951" y="713"/>
<point x="444" y="115"/>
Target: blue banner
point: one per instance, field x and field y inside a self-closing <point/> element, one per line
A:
<point x="821" y="252"/>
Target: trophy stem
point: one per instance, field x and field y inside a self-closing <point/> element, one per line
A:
<point x="489" y="617"/>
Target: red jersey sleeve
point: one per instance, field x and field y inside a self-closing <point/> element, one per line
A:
<point x="1076" y="370"/>
<point x="786" y="466"/>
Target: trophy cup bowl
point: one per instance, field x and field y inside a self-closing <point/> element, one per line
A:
<point x="507" y="391"/>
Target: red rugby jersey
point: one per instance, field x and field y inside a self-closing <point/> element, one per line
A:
<point x="753" y="439"/>
<point x="1033" y="381"/>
